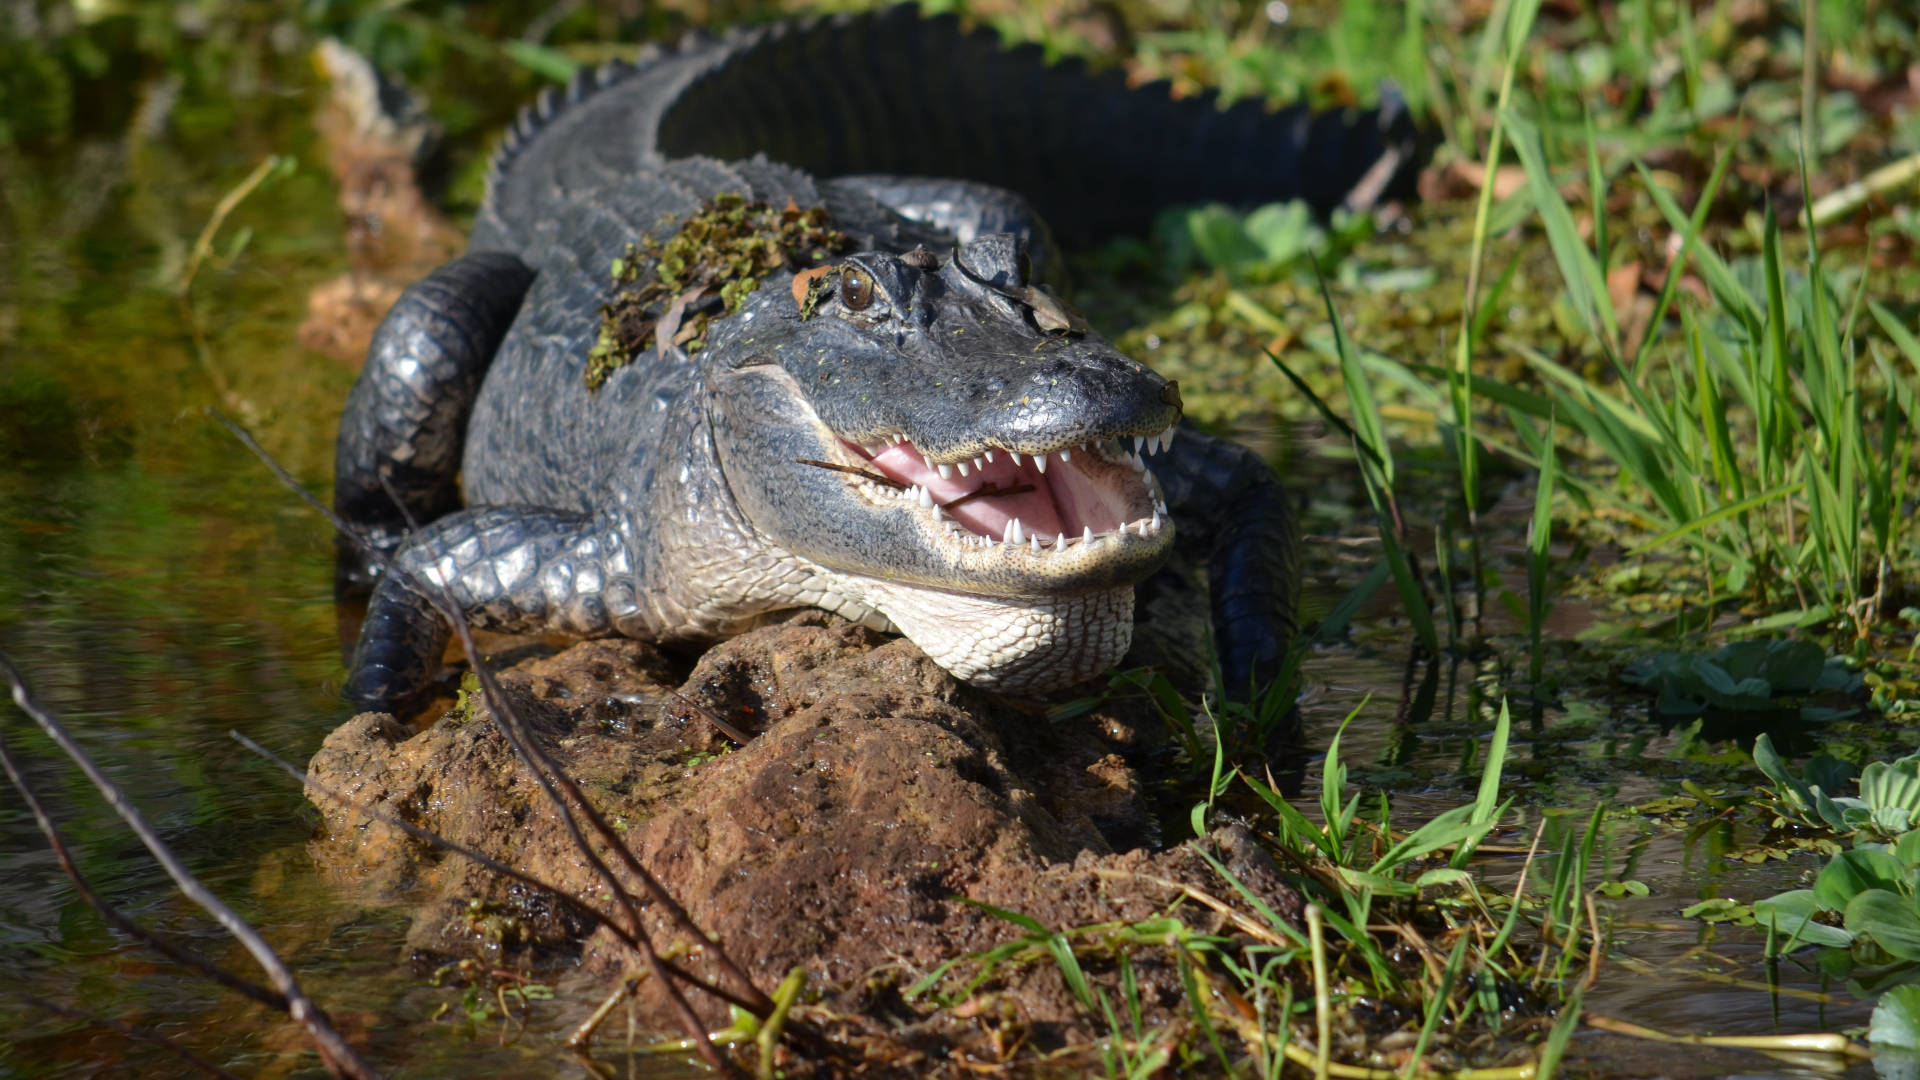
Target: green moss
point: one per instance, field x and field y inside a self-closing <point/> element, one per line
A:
<point x="468" y="700"/>
<point x="706" y="268"/>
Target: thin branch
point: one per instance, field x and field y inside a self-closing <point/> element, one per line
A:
<point x="334" y="1050"/>
<point x="113" y="915"/>
<point x="713" y="718"/>
<point x="853" y="470"/>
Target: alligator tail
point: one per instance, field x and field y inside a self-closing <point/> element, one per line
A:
<point x="894" y="92"/>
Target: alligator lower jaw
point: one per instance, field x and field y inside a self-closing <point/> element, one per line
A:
<point x="1083" y="505"/>
<point x="1015" y="646"/>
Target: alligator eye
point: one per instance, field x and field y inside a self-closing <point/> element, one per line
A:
<point x="856" y="290"/>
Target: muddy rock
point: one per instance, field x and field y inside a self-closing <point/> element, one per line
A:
<point x="873" y="791"/>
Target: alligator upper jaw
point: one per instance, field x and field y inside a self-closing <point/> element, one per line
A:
<point x="1093" y="495"/>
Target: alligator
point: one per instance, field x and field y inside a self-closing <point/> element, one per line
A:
<point x="918" y="433"/>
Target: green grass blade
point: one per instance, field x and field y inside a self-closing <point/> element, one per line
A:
<point x="1412" y="596"/>
<point x="1436" y="1006"/>
<point x="1585" y="280"/>
<point x="1704" y="521"/>
<point x="1367" y="429"/>
<point x="1689" y="239"/>
<point x="1555" y="1049"/>
<point x="1539" y="538"/>
<point x="1486" y="801"/>
<point x="1333" y="419"/>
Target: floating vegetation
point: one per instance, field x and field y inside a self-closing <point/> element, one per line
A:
<point x="1746" y="679"/>
<point x="667" y="291"/>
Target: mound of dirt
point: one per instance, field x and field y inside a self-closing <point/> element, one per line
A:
<point x="874" y="792"/>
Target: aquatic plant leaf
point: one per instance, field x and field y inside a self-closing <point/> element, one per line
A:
<point x="1829" y="773"/>
<point x="1906" y="848"/>
<point x="1891" y="820"/>
<point x="1791" y="915"/>
<point x="1744" y="677"/>
<point x="1842" y="814"/>
<point x="1852" y="873"/>
<point x="1283" y="231"/>
<point x="1768" y="760"/>
<point x="1220" y="240"/>
<point x="1894" y="785"/>
<point x="1896" y="1019"/>
<point x="1788" y="787"/>
<point x="1889" y="919"/>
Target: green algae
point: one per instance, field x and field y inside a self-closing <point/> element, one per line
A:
<point x="669" y="288"/>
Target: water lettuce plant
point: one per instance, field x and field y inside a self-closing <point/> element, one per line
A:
<point x="1887" y="808"/>
<point x="1745" y="677"/>
<point x="1864" y="905"/>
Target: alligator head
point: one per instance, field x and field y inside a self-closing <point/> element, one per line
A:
<point x="949" y="440"/>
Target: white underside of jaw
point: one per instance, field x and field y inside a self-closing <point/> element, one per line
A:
<point x="1017" y="646"/>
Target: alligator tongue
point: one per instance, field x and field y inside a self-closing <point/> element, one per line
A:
<point x="1064" y="500"/>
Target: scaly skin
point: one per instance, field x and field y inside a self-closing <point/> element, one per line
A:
<point x="673" y="503"/>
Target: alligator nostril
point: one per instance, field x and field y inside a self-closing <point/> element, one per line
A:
<point x="1170" y="394"/>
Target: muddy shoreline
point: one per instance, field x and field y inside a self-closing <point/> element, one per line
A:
<point x="875" y="793"/>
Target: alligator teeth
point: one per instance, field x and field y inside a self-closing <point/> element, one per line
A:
<point x="1033" y="543"/>
<point x="1066" y="455"/>
<point x="925" y="497"/>
<point x="1156" y="521"/>
<point x="1016" y="456"/>
<point x="1040" y="462"/>
<point x="978" y="465"/>
<point x="945" y="471"/>
<point x="1014" y="533"/>
<point x="928" y="460"/>
<point x="1166" y="437"/>
<point x="963" y="469"/>
<point x="1138" y="442"/>
<point x="989" y="456"/>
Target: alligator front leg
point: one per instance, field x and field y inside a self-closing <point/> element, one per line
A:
<point x="509" y="569"/>
<point x="406" y="419"/>
<point x="1231" y="512"/>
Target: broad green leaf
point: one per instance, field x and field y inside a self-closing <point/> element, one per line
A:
<point x="1889" y="920"/>
<point x="1791" y="914"/>
<point x="1769" y="762"/>
<point x="1896" y="1019"/>
<point x="1851" y="873"/>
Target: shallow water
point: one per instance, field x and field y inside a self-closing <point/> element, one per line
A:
<point x="160" y="589"/>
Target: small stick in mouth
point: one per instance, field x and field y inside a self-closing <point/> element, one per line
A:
<point x="853" y="470"/>
<point x="985" y="490"/>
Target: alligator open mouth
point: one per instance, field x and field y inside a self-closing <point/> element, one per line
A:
<point x="1069" y="497"/>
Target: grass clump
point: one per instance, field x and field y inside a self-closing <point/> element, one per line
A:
<point x="1397" y="946"/>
